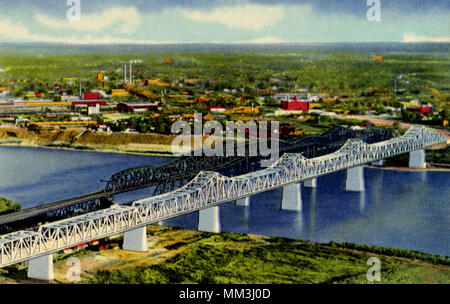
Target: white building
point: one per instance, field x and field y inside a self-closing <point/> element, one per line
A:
<point x="288" y="97"/>
<point x="94" y="110"/>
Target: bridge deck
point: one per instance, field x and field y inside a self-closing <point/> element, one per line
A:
<point x="33" y="211"/>
<point x="206" y="190"/>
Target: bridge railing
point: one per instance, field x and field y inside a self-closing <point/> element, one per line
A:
<point x="182" y="166"/>
<point x="205" y="190"/>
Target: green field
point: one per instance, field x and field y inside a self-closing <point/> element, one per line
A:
<point x="317" y="68"/>
<point x="241" y="259"/>
<point x="178" y="256"/>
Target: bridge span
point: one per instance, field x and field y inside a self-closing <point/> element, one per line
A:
<point x="203" y="194"/>
<point x="178" y="172"/>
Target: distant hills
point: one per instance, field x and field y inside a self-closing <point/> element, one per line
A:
<point x="378" y="48"/>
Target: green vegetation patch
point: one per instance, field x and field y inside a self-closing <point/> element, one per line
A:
<point x="8" y="206"/>
<point x="241" y="259"/>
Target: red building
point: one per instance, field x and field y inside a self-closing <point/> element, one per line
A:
<point x="421" y="110"/>
<point x="89" y="103"/>
<point x="298" y="105"/>
<point x="91" y="96"/>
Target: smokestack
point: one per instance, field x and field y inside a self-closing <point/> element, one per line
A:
<point x="131" y="73"/>
<point x="125" y="73"/>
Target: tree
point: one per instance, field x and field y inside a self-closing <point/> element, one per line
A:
<point x="445" y="114"/>
<point x="271" y="102"/>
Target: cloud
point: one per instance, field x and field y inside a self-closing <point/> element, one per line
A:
<point x="249" y="17"/>
<point x="12" y="31"/>
<point x="18" y="33"/>
<point x="264" y="40"/>
<point x="128" y="19"/>
<point x="411" y="37"/>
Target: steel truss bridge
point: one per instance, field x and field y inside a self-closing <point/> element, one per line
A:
<point x="206" y="190"/>
<point x="174" y="174"/>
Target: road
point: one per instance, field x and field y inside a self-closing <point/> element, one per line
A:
<point x="386" y="122"/>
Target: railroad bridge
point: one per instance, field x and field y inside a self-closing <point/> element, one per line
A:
<point x="174" y="174"/>
<point x="204" y="193"/>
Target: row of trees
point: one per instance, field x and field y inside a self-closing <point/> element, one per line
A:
<point x="161" y="124"/>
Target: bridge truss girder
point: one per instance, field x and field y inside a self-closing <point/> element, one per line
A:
<point x="207" y="189"/>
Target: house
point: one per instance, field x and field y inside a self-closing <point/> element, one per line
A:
<point x="421" y="110"/>
<point x="157" y="82"/>
<point x="274" y="80"/>
<point x="131" y="129"/>
<point x="313" y="105"/>
<point x="377" y="58"/>
<point x="217" y="109"/>
<point x="89" y="103"/>
<point x="244" y="110"/>
<point x="94" y="110"/>
<point x="136" y="106"/>
<point x="295" y="105"/>
<point x="69" y="97"/>
<point x="102" y="128"/>
<point x="413" y="103"/>
<point x="81" y="246"/>
<point x="287" y="112"/>
<point x="119" y="93"/>
<point x="314" y="98"/>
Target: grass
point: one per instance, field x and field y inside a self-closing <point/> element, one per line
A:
<point x="178" y="256"/>
<point x="244" y="259"/>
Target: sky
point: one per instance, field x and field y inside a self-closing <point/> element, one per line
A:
<point x="224" y="21"/>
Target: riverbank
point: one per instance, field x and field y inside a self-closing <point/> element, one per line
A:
<point x="87" y="140"/>
<point x="104" y="142"/>
<point x="185" y="256"/>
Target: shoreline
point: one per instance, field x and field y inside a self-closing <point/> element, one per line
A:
<point x="99" y="149"/>
<point x="340" y="262"/>
<point x="85" y="140"/>
<point x="86" y="148"/>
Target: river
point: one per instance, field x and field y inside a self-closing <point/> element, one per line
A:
<point x="402" y="209"/>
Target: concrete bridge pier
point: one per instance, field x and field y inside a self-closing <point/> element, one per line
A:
<point x="378" y="163"/>
<point x="41" y="268"/>
<point x="244" y="202"/>
<point x="417" y="159"/>
<point x="292" y="197"/>
<point x="310" y="183"/>
<point x="355" y="179"/>
<point x="209" y="220"/>
<point x="136" y="239"/>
